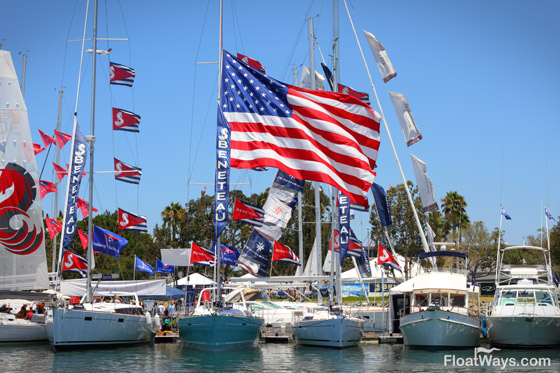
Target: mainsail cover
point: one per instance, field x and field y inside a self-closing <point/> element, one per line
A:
<point x="23" y="262"/>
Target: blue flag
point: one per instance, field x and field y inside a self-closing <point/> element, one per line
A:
<point x="107" y="242"/>
<point x="256" y="254"/>
<point x="221" y="195"/>
<point x="162" y="267"/>
<point x="284" y="180"/>
<point x="505" y="214"/>
<point x="548" y="214"/>
<point x="141" y="265"/>
<point x="363" y="263"/>
<point x="343" y="224"/>
<point x="382" y="205"/>
<point x="229" y="254"/>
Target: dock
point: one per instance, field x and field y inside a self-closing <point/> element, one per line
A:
<point x="276" y="336"/>
<point x="170" y="337"/>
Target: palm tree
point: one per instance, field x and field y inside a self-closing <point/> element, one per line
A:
<point x="171" y="217"/>
<point x="453" y="208"/>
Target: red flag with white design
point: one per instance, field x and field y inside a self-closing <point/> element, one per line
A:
<point x="53" y="227"/>
<point x="200" y="255"/>
<point x="385" y="258"/>
<point x="46" y="187"/>
<point x="283" y="253"/>
<point x="251" y="62"/>
<point x="59" y="171"/>
<point x="124" y="120"/>
<point x="132" y="222"/>
<point x="61" y="138"/>
<point x="74" y="263"/>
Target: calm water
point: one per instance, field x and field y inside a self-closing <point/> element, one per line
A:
<point x="267" y="357"/>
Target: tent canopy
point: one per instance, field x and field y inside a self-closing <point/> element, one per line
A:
<point x="171" y="292"/>
<point x="195" y="279"/>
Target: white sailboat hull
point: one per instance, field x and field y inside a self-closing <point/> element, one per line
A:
<point x="441" y="329"/>
<point x="337" y="332"/>
<point x="77" y="327"/>
<point x="19" y="330"/>
<point x="219" y="332"/>
<point x="524" y="331"/>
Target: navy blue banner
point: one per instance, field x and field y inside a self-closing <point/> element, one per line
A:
<point x="343" y="224"/>
<point x="229" y="254"/>
<point x="256" y="254"/>
<point x="141" y="265"/>
<point x="284" y="180"/>
<point x="107" y="242"/>
<point x="221" y="195"/>
<point x="382" y="205"/>
<point x="162" y="267"/>
<point x="77" y="165"/>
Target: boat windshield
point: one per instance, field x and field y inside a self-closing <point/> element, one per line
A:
<point x="526" y="297"/>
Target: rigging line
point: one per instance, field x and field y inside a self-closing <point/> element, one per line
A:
<point x="66" y="44"/>
<point x="294" y="46"/>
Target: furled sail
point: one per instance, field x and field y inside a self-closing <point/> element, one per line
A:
<point x="23" y="262"/>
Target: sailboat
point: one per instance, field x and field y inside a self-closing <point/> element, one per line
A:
<point x="92" y="322"/>
<point x="525" y="311"/>
<point x="23" y="262"/>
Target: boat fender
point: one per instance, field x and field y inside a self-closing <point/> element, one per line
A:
<point x="157" y="322"/>
<point x="149" y="319"/>
<point x="484" y="329"/>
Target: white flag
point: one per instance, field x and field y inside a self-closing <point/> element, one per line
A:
<point x="409" y="129"/>
<point x="380" y="54"/>
<point x="276" y="212"/>
<point x="431" y="237"/>
<point x="425" y="187"/>
<point x="305" y="81"/>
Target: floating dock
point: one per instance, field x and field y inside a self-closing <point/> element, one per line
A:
<point x="170" y="337"/>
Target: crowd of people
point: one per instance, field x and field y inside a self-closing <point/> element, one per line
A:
<point x="26" y="311"/>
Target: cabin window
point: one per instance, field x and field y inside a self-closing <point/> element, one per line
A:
<point x="458" y="300"/>
<point x="525" y="296"/>
<point x="421" y="300"/>
<point x="544" y="298"/>
<point x="508" y="298"/>
<point x="439" y="299"/>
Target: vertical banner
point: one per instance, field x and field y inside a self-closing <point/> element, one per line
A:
<point x="221" y="195"/>
<point x="382" y="204"/>
<point x="77" y="165"/>
<point x="424" y="183"/>
<point x="409" y="128"/>
<point x="343" y="224"/>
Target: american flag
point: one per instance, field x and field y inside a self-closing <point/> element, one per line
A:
<point x="311" y="135"/>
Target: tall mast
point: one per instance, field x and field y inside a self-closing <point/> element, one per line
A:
<point x="23" y="75"/>
<point x="57" y="181"/>
<point x="91" y="140"/>
<point x="218" y="252"/>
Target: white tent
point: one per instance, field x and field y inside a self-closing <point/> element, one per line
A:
<point x="195" y="279"/>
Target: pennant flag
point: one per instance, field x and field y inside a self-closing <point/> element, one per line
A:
<point x="283" y="253"/>
<point x="278" y="125"/>
<point x="246" y="213"/>
<point x="47" y="140"/>
<point x="221" y="178"/>
<point x="83" y="205"/>
<point x="124" y="120"/>
<point x="409" y="129"/>
<point x="74" y="263"/>
<point x="382" y="204"/>
<point x="505" y="214"/>
<point x="83" y="238"/>
<point x="354" y="246"/>
<point x="77" y="161"/>
<point x="381" y="59"/>
<point x="251" y="62"/>
<point x="363" y="263"/>
<point x="61" y="138"/>
<point x="107" y="242"/>
<point x="548" y="214"/>
<point x="343" y="225"/>
<point x="59" y="171"/>
<point x="256" y="254"/>
<point x="132" y="222"/>
<point x="201" y="256"/>
<point x="229" y="254"/>
<point x="364" y="97"/>
<point x="305" y="81"/>
<point x="37" y="148"/>
<point x="46" y="187"/>
<point x="141" y="265"/>
<point x="127" y="173"/>
<point x="121" y="75"/>
<point x="385" y="258"/>
<point x="53" y="227"/>
<point x="425" y="188"/>
<point x="162" y="267"/>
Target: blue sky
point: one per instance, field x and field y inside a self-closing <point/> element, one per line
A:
<point x="481" y="78"/>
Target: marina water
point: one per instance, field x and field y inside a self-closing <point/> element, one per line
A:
<point x="266" y="357"/>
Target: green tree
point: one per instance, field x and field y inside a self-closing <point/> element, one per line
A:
<point x="478" y="244"/>
<point x="454" y="210"/>
<point x="171" y="216"/>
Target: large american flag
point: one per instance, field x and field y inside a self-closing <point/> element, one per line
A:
<point x="311" y="135"/>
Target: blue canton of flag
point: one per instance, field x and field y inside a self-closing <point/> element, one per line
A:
<point x="141" y="265"/>
<point x="162" y="267"/>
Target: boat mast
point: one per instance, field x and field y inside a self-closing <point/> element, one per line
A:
<point x="91" y="140"/>
<point x="218" y="252"/>
<point x="57" y="181"/>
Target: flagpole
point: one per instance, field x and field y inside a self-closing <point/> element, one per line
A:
<point x="382" y="299"/>
<point x="134" y="273"/>
<point x="548" y="244"/>
<point x="499" y="244"/>
<point x="217" y="254"/>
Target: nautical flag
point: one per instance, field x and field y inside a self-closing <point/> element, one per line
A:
<point x="229" y="254"/>
<point x="247" y="213"/>
<point x="305" y="81"/>
<point x="132" y="222"/>
<point x="425" y="187"/>
<point x="61" y="138"/>
<point x="46" y="187"/>
<point x="59" y="171"/>
<point x="127" y="173"/>
<point x="363" y="263"/>
<point x="344" y="89"/>
<point x="124" y="120"/>
<point x="141" y="265"/>
<point x="107" y="242"/>
<point x="548" y="214"/>
<point x="83" y="205"/>
<point x="74" y="263"/>
<point x="37" y="148"/>
<point x="276" y="211"/>
<point x="121" y="75"/>
<point x="382" y="204"/>
<point x="201" y="256"/>
<point x="284" y="181"/>
<point x="283" y="253"/>
<point x="311" y="135"/>
<point x="256" y="254"/>
<point x="343" y="224"/>
<point x="385" y="258"/>
<point x="162" y="267"/>
<point x="431" y="236"/>
<point x="53" y="227"/>
<point x="409" y="129"/>
<point x="83" y="239"/>
<point x="251" y="62"/>
<point x="505" y="214"/>
<point x="47" y="140"/>
<point x="381" y="59"/>
<point x="354" y="246"/>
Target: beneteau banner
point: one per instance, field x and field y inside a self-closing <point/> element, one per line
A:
<point x="409" y="128"/>
<point x="221" y="195"/>
<point x="343" y="224"/>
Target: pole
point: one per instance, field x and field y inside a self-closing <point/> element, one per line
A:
<point x="218" y="252"/>
<point x="23" y="75"/>
<point x="383" y="300"/>
<point x="56" y="180"/>
<point x="498" y="251"/>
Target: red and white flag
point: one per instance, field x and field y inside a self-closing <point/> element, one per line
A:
<point x="124" y="120"/>
<point x="74" y="263"/>
<point x="385" y="258"/>
<point x="283" y="253"/>
<point x="247" y="213"/>
<point x="132" y="222"/>
<point x="62" y="138"/>
<point x="251" y="62"/>
<point x="46" y="187"/>
<point x="121" y="74"/>
<point x="200" y="255"/>
<point x="59" y="171"/>
<point x="47" y="140"/>
<point x="53" y="227"/>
